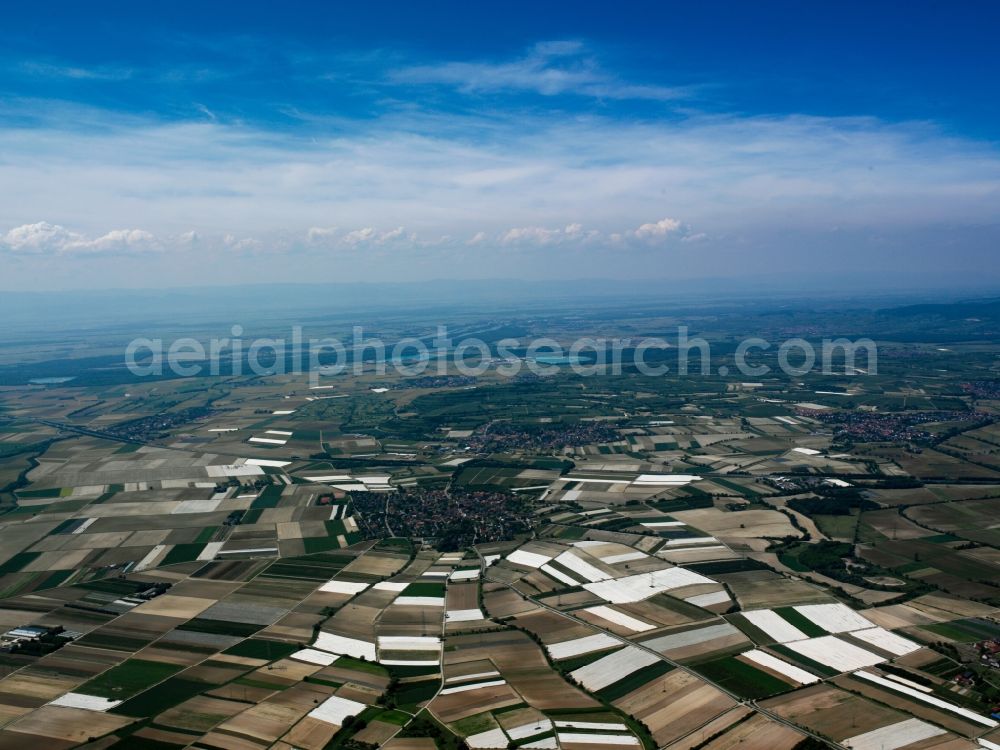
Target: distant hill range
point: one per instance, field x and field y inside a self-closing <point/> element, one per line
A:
<point x="979" y="309"/>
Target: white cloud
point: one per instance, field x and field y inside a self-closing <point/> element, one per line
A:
<point x="575" y="235"/>
<point x="40" y="237"/>
<point x="317" y="235"/>
<point x="661" y="228"/>
<point x="120" y="239"/>
<point x="712" y="171"/>
<point x="549" y="68"/>
<point x="242" y="244"/>
<point x="359" y="236"/>
<point x="756" y="185"/>
<point x="100" y="73"/>
<point x="371" y="236"/>
<point x="44" y="238"/>
<point x="531" y="235"/>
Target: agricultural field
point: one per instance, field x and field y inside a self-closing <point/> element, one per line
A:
<point x="416" y="562"/>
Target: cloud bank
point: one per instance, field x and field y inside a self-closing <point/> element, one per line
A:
<point x="471" y="187"/>
<point x="43" y="238"/>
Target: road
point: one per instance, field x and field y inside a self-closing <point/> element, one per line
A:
<point x="84" y="431"/>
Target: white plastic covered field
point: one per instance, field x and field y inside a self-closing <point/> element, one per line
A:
<point x="528" y="559"/>
<point x="472" y="686"/>
<point x="893" y="736"/>
<point x="584" y="645"/>
<point x="776" y="626"/>
<point x="491" y="738"/>
<point x="81" y="700"/>
<point x="614" y="667"/>
<point x="886" y="640"/>
<point x="708" y="600"/>
<point x="343" y="587"/>
<point x="620" y="618"/>
<point x="559" y="575"/>
<point x="527" y="730"/>
<point x="835" y="653"/>
<point x="464" y="615"/>
<point x="390" y="586"/>
<point x="339" y="644"/>
<point x="581" y="567"/>
<point x="834" y="618"/>
<point x="644" y="585"/>
<point x="312" y="656"/>
<point x="334" y="710"/>
<point x="419" y="601"/>
<point x="775" y="664"/>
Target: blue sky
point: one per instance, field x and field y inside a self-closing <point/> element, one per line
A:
<point x="150" y="144"/>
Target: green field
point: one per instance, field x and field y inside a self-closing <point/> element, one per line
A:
<point x="356" y="665"/>
<point x="635" y="680"/>
<point x="180" y="553"/>
<point x="128" y="678"/>
<point x="741" y="678"/>
<point x="220" y="627"/>
<point x="18" y="561"/>
<point x="409" y="694"/>
<point x="269" y="498"/>
<point x="575" y="662"/>
<point x="424" y="588"/>
<point x="965" y="631"/>
<point x="800" y="621"/>
<point x="160" y="697"/>
<point x="839" y="527"/>
<point x="259" y="648"/>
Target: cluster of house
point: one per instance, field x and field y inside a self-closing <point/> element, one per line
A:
<point x="989" y="652"/>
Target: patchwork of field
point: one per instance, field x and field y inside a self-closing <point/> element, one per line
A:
<point x="100" y="518"/>
<point x="604" y="632"/>
<point x="288" y="651"/>
<point x="215" y="565"/>
<point x="220" y="634"/>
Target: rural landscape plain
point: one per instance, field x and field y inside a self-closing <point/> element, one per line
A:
<point x="445" y="377"/>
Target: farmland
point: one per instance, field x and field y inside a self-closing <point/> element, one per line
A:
<point x="557" y="561"/>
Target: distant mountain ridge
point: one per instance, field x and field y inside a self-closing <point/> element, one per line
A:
<point x="982" y="309"/>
